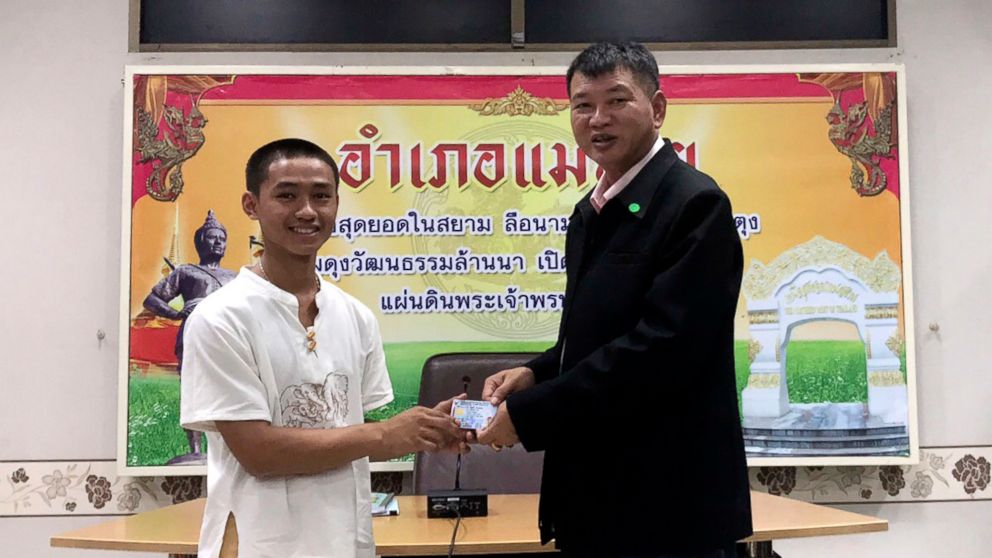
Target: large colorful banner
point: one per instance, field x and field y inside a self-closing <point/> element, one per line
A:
<point x="456" y="189"/>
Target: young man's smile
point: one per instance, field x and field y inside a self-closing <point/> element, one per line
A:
<point x="296" y="205"/>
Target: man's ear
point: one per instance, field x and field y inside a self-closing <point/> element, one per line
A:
<point x="659" y="105"/>
<point x="249" y="203"/>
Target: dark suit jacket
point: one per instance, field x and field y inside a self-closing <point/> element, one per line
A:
<point x="636" y="403"/>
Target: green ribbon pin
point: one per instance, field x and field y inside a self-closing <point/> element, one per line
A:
<point x="634" y="207"/>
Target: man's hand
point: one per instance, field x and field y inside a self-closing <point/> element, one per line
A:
<point x="503" y="383"/>
<point x="445" y="407"/>
<point x="421" y="429"/>
<point x="500" y="431"/>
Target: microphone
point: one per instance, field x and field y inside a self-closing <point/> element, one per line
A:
<point x="458" y="502"/>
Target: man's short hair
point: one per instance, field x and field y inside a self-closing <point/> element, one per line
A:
<point x="257" y="169"/>
<point x="602" y="58"/>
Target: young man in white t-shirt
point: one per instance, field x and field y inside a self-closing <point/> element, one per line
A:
<point x="279" y="368"/>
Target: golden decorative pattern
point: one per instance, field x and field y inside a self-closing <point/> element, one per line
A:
<point x="763" y="381"/>
<point x="519" y="103"/>
<point x="183" y="138"/>
<point x="753" y="348"/>
<point x="165" y="133"/>
<point x="849" y="132"/>
<point x="895" y="344"/>
<point x="868" y="344"/>
<point x="818" y="287"/>
<point x="763" y="317"/>
<point x="877" y="312"/>
<point x="885" y="378"/>
<point x="778" y="349"/>
<point x="863" y="131"/>
<point x="879" y="275"/>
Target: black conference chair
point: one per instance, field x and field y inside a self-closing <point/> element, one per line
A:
<point x="509" y="471"/>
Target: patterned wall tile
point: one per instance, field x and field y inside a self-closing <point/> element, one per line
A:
<point x="39" y="488"/>
<point x="43" y="488"/>
<point x="390" y="482"/>
<point x="943" y="474"/>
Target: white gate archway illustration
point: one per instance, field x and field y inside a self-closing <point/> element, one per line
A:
<point x="824" y="280"/>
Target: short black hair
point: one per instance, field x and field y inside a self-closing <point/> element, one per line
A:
<point x="257" y="169"/>
<point x="602" y="58"/>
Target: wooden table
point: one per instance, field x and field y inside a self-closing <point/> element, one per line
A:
<point x="511" y="527"/>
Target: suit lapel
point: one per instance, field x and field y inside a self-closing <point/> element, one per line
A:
<point x="574" y="251"/>
<point x="641" y="191"/>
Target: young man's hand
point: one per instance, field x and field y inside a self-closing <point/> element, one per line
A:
<point x="421" y="429"/>
<point x="445" y="407"/>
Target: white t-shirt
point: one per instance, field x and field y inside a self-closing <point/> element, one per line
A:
<point x="246" y="358"/>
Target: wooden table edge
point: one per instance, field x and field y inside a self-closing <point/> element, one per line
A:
<point x="463" y="548"/>
<point x="60" y="541"/>
<point x="65" y="540"/>
<point x="878" y="526"/>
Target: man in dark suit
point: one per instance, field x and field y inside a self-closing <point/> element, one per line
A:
<point x="635" y="404"/>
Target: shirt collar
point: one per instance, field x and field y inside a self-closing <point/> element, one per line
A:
<point x="604" y="193"/>
<point x="263" y="285"/>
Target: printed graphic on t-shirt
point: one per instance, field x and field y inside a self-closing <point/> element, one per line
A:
<point x="315" y="405"/>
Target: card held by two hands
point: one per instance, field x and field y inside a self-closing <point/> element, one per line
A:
<point x="472" y="415"/>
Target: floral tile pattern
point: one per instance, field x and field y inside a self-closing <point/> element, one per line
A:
<point x="388" y="482"/>
<point x="41" y="488"/>
<point x="953" y="473"/>
<point x="34" y="488"/>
